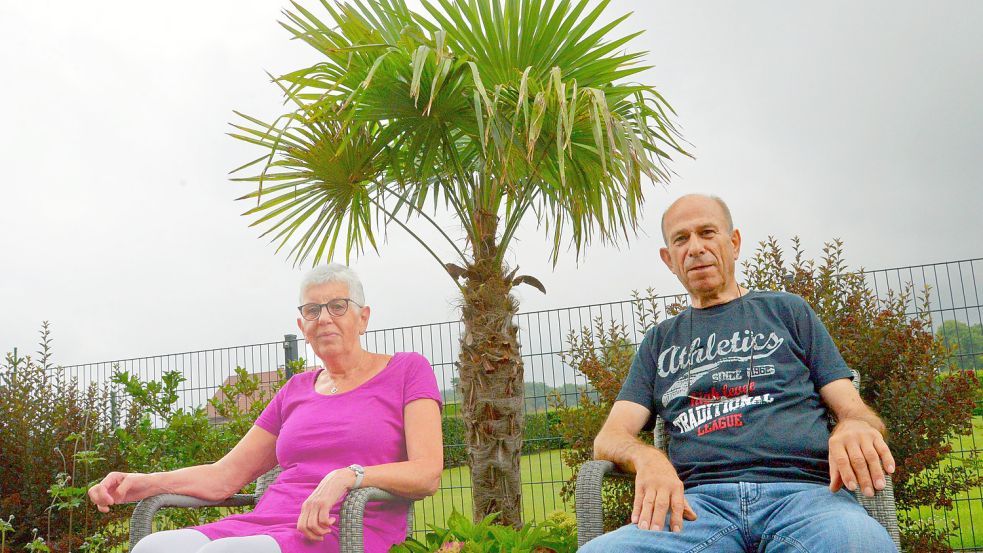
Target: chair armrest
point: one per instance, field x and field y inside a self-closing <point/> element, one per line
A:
<point x="883" y="509"/>
<point x="353" y="511"/>
<point x="143" y="514"/>
<point x="587" y="499"/>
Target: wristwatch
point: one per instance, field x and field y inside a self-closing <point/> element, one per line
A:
<point x="359" y="471"/>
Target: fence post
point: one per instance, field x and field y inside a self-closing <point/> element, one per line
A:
<point x="289" y="353"/>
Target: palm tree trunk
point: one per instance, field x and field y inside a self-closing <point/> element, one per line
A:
<point x="492" y="382"/>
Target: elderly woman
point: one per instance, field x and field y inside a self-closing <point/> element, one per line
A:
<point x="365" y="419"/>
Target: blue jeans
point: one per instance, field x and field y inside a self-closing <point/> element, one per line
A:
<point x="756" y="518"/>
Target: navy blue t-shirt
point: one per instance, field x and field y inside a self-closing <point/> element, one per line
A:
<point x="738" y="386"/>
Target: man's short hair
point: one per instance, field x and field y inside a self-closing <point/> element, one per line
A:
<point x="720" y="202"/>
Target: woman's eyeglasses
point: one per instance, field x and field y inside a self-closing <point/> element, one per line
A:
<point x="336" y="308"/>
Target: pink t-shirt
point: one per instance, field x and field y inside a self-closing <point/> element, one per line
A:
<point x="319" y="433"/>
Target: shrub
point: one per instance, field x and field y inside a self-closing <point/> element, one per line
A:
<point x="556" y="534"/>
<point x="161" y="437"/>
<point x="58" y="439"/>
<point x="540" y="434"/>
<point x="455" y="449"/>
<point x="55" y="438"/>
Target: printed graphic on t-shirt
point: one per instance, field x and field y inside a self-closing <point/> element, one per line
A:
<point x="727" y="363"/>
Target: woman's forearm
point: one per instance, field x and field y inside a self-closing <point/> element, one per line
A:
<point x="415" y="479"/>
<point x="202" y="481"/>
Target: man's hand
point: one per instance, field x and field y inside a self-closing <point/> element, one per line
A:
<point x="659" y="490"/>
<point x="315" y="518"/>
<point x="120" y="487"/>
<point x="857" y="451"/>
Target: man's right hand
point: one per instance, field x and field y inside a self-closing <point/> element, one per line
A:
<point x="120" y="487"/>
<point x="658" y="490"/>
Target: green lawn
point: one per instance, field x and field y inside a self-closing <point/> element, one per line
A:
<point x="538" y="500"/>
<point x="968" y="508"/>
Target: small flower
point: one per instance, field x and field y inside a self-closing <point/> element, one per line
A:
<point x="451" y="547"/>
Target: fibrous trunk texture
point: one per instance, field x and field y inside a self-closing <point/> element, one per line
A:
<point x="492" y="386"/>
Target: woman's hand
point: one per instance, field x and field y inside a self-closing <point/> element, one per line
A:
<point x="120" y="487"/>
<point x="315" y="518"/>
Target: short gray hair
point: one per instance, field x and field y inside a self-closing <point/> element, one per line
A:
<point x="334" y="272"/>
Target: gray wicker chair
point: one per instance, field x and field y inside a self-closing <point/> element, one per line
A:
<point x="349" y="527"/>
<point x="590" y="512"/>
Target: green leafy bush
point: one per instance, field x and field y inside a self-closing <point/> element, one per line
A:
<point x="55" y="438"/>
<point x="556" y="534"/>
<point x="455" y="450"/>
<point x="159" y="436"/>
<point x="59" y="438"/>
<point x="540" y="434"/>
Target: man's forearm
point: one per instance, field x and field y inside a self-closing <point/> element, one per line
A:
<point x="624" y="450"/>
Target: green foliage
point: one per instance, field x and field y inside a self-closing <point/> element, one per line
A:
<point x="55" y="438"/>
<point x="37" y="544"/>
<point x="5" y="528"/>
<point x="964" y="343"/>
<point x="603" y="354"/>
<point x="455" y="451"/>
<point x="540" y="434"/>
<point x="556" y="534"/>
<point x="409" y="112"/>
<point x="58" y="439"/>
<point x="164" y="437"/>
<point x="898" y="357"/>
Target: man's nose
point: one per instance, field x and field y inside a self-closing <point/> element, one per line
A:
<point x="696" y="247"/>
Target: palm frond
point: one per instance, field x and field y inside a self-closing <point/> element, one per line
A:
<point x="514" y="107"/>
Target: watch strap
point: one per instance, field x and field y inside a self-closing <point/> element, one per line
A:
<point x="359" y="471"/>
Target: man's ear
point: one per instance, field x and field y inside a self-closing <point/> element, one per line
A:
<point x="735" y="239"/>
<point x="664" y="254"/>
<point x="300" y="325"/>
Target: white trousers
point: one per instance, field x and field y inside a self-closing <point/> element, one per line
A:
<point x="187" y="540"/>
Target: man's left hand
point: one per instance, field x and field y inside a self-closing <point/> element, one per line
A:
<point x="857" y="453"/>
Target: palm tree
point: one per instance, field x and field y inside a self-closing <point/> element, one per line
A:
<point x="488" y="111"/>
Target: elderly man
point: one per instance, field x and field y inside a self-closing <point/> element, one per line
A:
<point x="743" y="379"/>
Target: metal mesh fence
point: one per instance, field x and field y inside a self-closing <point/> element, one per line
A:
<point x="955" y="290"/>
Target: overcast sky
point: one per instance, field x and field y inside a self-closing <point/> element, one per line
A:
<point x="835" y="119"/>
